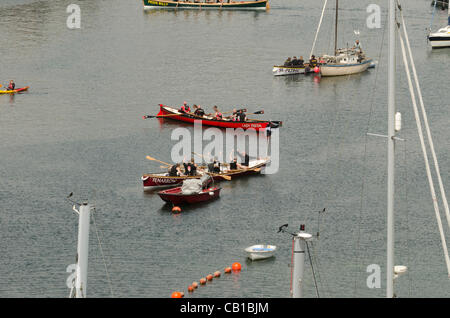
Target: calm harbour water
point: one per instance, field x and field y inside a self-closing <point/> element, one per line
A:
<point x="80" y="129"/>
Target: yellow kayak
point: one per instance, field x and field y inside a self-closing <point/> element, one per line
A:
<point x="18" y="90"/>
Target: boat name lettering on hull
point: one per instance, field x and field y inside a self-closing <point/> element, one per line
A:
<point x="157" y="3"/>
<point x="163" y="180"/>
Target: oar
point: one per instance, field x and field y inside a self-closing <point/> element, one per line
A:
<point x="165" y="163"/>
<point x="158" y="116"/>
<point x="228" y="178"/>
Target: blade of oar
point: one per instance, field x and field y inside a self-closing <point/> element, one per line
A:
<point x="159" y="116"/>
<point x="151" y="158"/>
<point x="226" y="177"/>
<point x="259" y="112"/>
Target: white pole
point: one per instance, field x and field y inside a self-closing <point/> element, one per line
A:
<point x="299" y="262"/>
<point x="83" y="250"/>
<point x="391" y="153"/>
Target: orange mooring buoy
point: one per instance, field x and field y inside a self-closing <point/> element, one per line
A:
<point x="227" y="270"/>
<point x="216" y="274"/>
<point x="177" y="294"/>
<point x="176" y="209"/>
<point x="236" y="267"/>
<point x="209" y="277"/>
<point x="202" y="281"/>
<point x="190" y="288"/>
<point x="195" y="284"/>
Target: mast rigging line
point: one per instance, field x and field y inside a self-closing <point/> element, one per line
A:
<point x="318" y="29"/>
<point x="103" y="255"/>
<point x="422" y="142"/>
<point x="363" y="186"/>
<point x="425" y="119"/>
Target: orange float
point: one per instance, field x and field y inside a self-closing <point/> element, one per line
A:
<point x="177" y="294"/>
<point x="236" y="267"/>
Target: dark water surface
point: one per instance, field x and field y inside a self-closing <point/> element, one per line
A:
<point x="80" y="129"/>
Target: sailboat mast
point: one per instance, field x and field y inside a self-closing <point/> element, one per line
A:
<point x="336" y="28"/>
<point x="391" y="153"/>
<point x="448" y="12"/>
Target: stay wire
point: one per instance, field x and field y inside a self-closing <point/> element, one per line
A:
<point x="103" y="255"/>
<point x="313" y="272"/>
<point x="363" y="186"/>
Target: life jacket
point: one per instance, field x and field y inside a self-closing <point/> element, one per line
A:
<point x="11" y="86"/>
<point x="185" y="109"/>
<point x="218" y="115"/>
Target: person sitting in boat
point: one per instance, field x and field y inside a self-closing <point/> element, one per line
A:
<point x="175" y="170"/>
<point x="294" y="61"/>
<point x="185" y="108"/>
<point x="301" y="62"/>
<point x="233" y="116"/>
<point x="288" y="62"/>
<point x="313" y="61"/>
<point x="191" y="168"/>
<point x="217" y="113"/>
<point x="246" y="158"/>
<point x="241" y="116"/>
<point x="198" y="110"/>
<point x="360" y="58"/>
<point x="357" y="46"/>
<point x="11" y="85"/>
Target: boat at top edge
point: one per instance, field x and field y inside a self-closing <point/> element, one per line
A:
<point x="224" y="4"/>
<point x="211" y="121"/>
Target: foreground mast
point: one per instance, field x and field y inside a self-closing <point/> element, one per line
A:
<point x="391" y="153"/>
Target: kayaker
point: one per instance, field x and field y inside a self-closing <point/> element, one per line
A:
<point x="11" y="85"/>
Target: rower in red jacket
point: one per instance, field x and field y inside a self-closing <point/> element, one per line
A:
<point x="185" y="108"/>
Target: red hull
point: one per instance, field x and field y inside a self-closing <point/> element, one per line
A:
<point x="165" y="110"/>
<point x="175" y="196"/>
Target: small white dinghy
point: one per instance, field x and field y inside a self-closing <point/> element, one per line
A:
<point x="260" y="251"/>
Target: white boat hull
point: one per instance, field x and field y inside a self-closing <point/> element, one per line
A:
<point x="258" y="252"/>
<point x="440" y="42"/>
<point x="283" y="70"/>
<point x="441" y="38"/>
<point x="344" y="69"/>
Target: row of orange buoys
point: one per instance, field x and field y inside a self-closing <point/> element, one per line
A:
<point x="236" y="267"/>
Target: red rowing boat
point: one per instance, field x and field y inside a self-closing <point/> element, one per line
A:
<point x="192" y="191"/>
<point x="175" y="114"/>
<point x="176" y="196"/>
<point x="163" y="179"/>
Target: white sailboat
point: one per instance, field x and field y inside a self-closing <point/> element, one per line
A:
<point x="344" y="61"/>
<point x="441" y="38"/>
<point x="280" y="70"/>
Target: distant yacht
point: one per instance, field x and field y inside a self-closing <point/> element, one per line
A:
<point x="442" y="37"/>
<point x="344" y="61"/>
